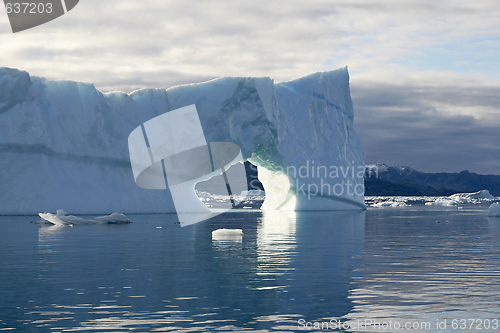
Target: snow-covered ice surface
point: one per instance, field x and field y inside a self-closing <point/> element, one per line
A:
<point x="64" y="144"/>
<point x="61" y="219"/>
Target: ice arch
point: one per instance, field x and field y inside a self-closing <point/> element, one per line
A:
<point x="299" y="133"/>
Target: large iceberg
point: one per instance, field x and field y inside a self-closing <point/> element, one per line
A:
<point x="64" y="143"/>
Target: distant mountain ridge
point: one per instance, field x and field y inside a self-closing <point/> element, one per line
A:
<point x="381" y="179"/>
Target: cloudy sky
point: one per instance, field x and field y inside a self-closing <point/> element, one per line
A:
<point x="425" y="75"/>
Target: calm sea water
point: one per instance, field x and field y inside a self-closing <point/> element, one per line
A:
<point x="372" y="271"/>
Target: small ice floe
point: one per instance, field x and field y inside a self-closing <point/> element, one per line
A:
<point x="235" y="235"/>
<point x="61" y="219"/>
<point x="494" y="210"/>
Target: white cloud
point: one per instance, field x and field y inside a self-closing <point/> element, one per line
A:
<point x="280" y="39"/>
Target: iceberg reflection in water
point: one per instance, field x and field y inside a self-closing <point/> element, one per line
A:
<point x="392" y="264"/>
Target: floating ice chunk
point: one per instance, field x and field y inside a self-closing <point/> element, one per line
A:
<point x="468" y="197"/>
<point x="61" y="219"/>
<point x="58" y="219"/>
<point x="494" y="210"/>
<point x="462" y="198"/>
<point x="227" y="235"/>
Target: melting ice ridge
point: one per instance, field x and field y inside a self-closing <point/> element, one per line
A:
<point x="61" y="219"/>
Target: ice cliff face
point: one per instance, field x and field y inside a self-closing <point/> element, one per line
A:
<point x="63" y="144"/>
